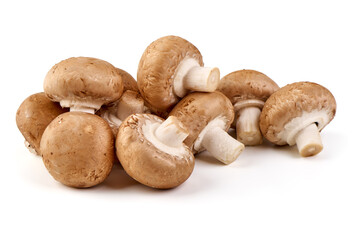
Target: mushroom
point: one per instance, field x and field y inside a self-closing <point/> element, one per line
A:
<point x="208" y="117"/>
<point x="128" y="81"/>
<point x="78" y="149"/>
<point x="33" y="116"/>
<point x="247" y="90"/>
<point x="295" y="114"/>
<point x="83" y="84"/>
<point x="152" y="151"/>
<point x="169" y="68"/>
<point x="129" y="103"/>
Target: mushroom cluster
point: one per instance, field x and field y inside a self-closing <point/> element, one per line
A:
<point x="92" y="115"/>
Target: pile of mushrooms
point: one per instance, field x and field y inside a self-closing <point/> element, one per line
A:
<point x="92" y="115"/>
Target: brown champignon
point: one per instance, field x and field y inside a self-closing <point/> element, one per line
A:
<point x="33" y="116"/>
<point x="128" y="81"/>
<point x="83" y="83"/>
<point x="78" y="149"/>
<point x="208" y="117"/>
<point x="129" y="103"/>
<point x="247" y="90"/>
<point x="152" y="151"/>
<point x="295" y="114"/>
<point x="169" y="68"/>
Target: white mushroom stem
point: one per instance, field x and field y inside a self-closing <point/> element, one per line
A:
<point x="190" y="76"/>
<point x="218" y="142"/>
<point x="221" y="145"/>
<point x="247" y="126"/>
<point x="203" y="79"/>
<point x="82" y="109"/>
<point x="129" y="104"/>
<point x="308" y="141"/>
<point x="81" y="106"/>
<point x="171" y="132"/>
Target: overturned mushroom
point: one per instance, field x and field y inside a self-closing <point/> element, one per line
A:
<point x="208" y="117"/>
<point x="83" y="83"/>
<point x="152" y="151"/>
<point x="247" y="90"/>
<point x="33" y="116"/>
<point x="295" y="114"/>
<point x="169" y="68"/>
<point x="129" y="103"/>
<point x="78" y="149"/>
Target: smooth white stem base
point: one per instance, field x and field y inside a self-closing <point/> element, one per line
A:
<point x="221" y="145"/>
<point x="308" y="141"/>
<point x="247" y="126"/>
<point x="190" y="76"/>
<point x="202" y="79"/>
<point x="171" y="132"/>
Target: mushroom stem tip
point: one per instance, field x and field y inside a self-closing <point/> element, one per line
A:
<point x="190" y="76"/>
<point x="203" y="79"/>
<point x="171" y="132"/>
<point x="221" y="145"/>
<point x="308" y="141"/>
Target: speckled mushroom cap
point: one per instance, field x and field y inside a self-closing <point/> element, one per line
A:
<point x="89" y="82"/>
<point x="306" y="102"/>
<point x="128" y="81"/>
<point x="78" y="149"/>
<point x="245" y="85"/>
<point x="146" y="163"/>
<point x="34" y="115"/>
<point x="157" y="69"/>
<point x="197" y="109"/>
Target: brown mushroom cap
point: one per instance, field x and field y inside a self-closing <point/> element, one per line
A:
<point x="128" y="81"/>
<point x="146" y="163"/>
<point x="78" y="149"/>
<point x="34" y="115"/>
<point x="89" y="81"/>
<point x="157" y="69"/>
<point x="247" y="84"/>
<point x="197" y="109"/>
<point x="292" y="101"/>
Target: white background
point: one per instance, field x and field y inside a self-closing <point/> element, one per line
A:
<point x="268" y="193"/>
